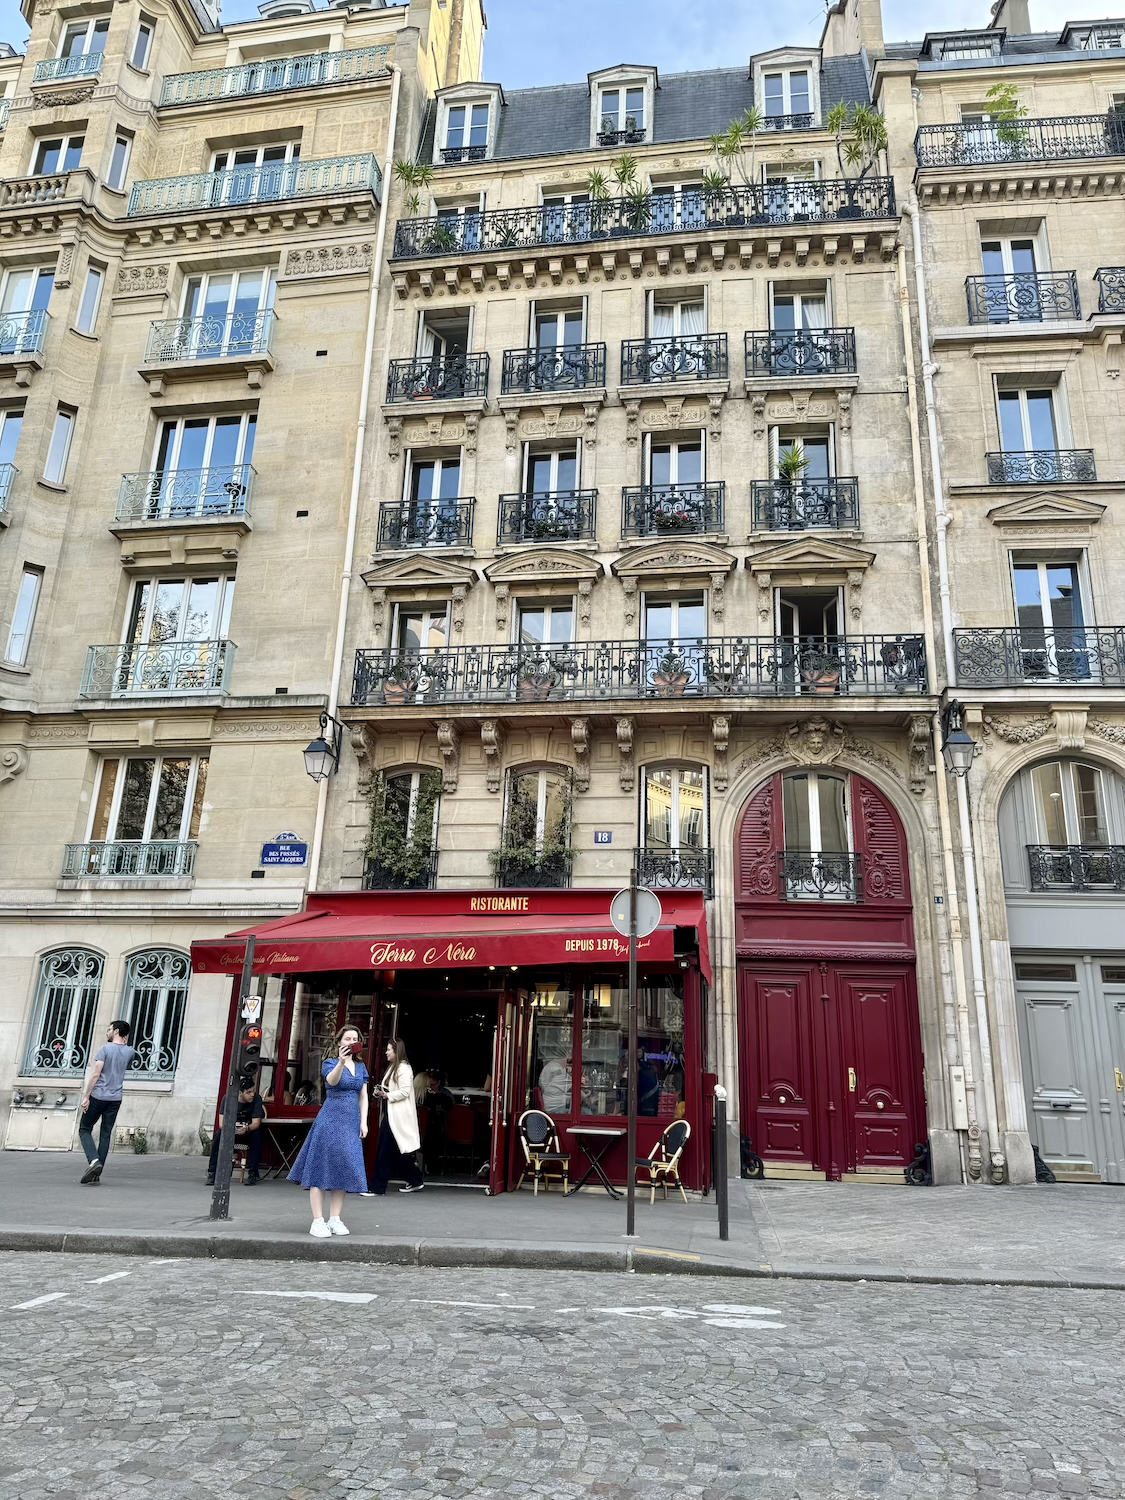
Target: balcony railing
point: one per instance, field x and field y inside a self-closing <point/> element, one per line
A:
<point x="276" y="75"/>
<point x="787" y="122"/>
<point x="559" y="367"/>
<point x="547" y="516"/>
<point x="171" y="667"/>
<point x="709" y="667"/>
<point x="1058" y="138"/>
<point x="450" y="154"/>
<point x="1077" y="867"/>
<point x="766" y="206"/>
<point x="676" y="869"/>
<point x="23" y="333"/>
<point x="805" y="504"/>
<point x="130" y="857"/>
<point x="229" y="336"/>
<point x="1026" y="297"/>
<point x="632" y="135"/>
<point x="244" y="186"/>
<point x="8" y="473"/>
<point x="426" y="523"/>
<point x="377" y="877"/>
<point x="673" y="509"/>
<point x="451" y="377"/>
<point x="801" y="351"/>
<point x="683" y="356"/>
<point x="185" y="494"/>
<point x="52" y="69"/>
<point x="1042" y="466"/>
<point x="548" y="872"/>
<point x="1111" y="289"/>
<point x="803" y="876"/>
<point x="1012" y="655"/>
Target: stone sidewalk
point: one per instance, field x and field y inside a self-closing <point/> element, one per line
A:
<point x="1061" y="1235"/>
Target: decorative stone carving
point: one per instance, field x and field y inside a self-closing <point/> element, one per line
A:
<point x="502" y="597"/>
<point x="1114" y="734"/>
<point x="815" y="742"/>
<point x="590" y="419"/>
<point x="472" y="423"/>
<point x="920" y="745"/>
<point x="458" y="608"/>
<point x="394" y="438"/>
<point x="1070" y="726"/>
<point x="329" y="260"/>
<point x="449" y="743"/>
<point x="141" y="281"/>
<point x="674" y="414"/>
<point x="801" y="406"/>
<point x="864" y="750"/>
<point x="62" y="97"/>
<point x="492" y="743"/>
<point x="758" y="409"/>
<point x="855" y="593"/>
<point x="765" y="600"/>
<point x="436" y="430"/>
<point x="629" y="587"/>
<point x="65" y="263"/>
<point x="362" y="737"/>
<point x="580" y="739"/>
<point x="720" y="737"/>
<point x="764" y="750"/>
<point x="13" y="762"/>
<point x="625" y="751"/>
<point x="716" y="404"/>
<point x="1018" y="731"/>
<point x="511" y="431"/>
<point x="844" y="407"/>
<point x="718" y="596"/>
<point x="585" y="590"/>
<point x="632" y="421"/>
<point x="379" y="609"/>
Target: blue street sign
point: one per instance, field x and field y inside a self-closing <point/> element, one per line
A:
<point x="286" y="849"/>
<point x="603" y="836"/>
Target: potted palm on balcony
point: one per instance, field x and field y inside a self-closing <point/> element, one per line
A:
<point x="791" y="467"/>
<point x="861" y="136"/>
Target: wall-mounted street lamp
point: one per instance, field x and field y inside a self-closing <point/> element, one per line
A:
<point x="322" y="756"/>
<point x="958" y="746"/>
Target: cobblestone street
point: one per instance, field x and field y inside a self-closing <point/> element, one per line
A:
<point x="286" y="1381"/>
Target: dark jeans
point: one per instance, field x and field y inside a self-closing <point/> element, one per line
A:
<point x="390" y="1162"/>
<point x="252" y="1140"/>
<point x="106" y="1111"/>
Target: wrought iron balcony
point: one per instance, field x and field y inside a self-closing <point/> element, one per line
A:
<point x="547" y="516"/>
<point x="23" y="333"/>
<point x="426" y="523"/>
<point x="1055" y="138"/>
<point x="130" y="857"/>
<point x="276" y="75"/>
<point x="1013" y="655"/>
<point x="673" y="509"/>
<point x="676" y="869"/>
<point x="787" y="122"/>
<point x="451" y="377"/>
<point x="185" y="494"/>
<point x="805" y="504"/>
<point x="229" y="336"/>
<point x="803" y="876"/>
<point x="52" y="69"/>
<point x="682" y="356"/>
<point x="377" y="877"/>
<point x="1042" y="466"/>
<point x="8" y="473"/>
<point x="1077" y="867"/>
<point x="171" y="667"/>
<point x="764" y="206"/>
<point x="1026" y="297"/>
<point x="546" y="872"/>
<point x="709" y="667"/>
<point x="633" y="135"/>
<point x="245" y="186"/>
<point x="559" y="367"/>
<point x="1111" y="289"/>
<point x="801" y="351"/>
<point x="464" y="153"/>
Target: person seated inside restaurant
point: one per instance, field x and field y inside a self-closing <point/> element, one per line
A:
<point x="247" y="1131"/>
<point x="554" y="1083"/>
<point x="648" y="1086"/>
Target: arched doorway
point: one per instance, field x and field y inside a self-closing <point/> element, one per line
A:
<point x="830" y="1053"/>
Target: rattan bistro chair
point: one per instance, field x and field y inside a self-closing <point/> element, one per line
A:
<point x="663" y="1162"/>
<point x="543" y="1156"/>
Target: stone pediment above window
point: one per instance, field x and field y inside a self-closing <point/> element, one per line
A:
<point x="546" y="566"/>
<point x="813" y="555"/>
<point x="1057" y="514"/>
<point x="622" y="104"/>
<point x="676" y="558"/>
<point x="419" y="572"/>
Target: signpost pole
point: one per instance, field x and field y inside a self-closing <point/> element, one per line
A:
<point x="631" y="1127"/>
<point x="220" y="1194"/>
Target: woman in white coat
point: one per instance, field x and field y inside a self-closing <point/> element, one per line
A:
<point x="398" y="1134"/>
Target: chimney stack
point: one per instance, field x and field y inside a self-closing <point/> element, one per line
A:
<point x="1012" y="16"/>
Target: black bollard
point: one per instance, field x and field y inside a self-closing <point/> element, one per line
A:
<point x="721" y="1161"/>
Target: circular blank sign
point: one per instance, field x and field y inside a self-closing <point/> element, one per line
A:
<point x="648" y="912"/>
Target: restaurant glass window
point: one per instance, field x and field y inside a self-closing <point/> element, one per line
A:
<point x="604" y="1058"/>
<point x="310" y="1042"/>
<point x="551" y="1047"/>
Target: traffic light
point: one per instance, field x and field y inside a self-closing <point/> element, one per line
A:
<point x="249" y="1051"/>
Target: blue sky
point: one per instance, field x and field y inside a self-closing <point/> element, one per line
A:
<point x="560" y="41"/>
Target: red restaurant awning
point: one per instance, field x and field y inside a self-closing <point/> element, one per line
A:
<point x="452" y="930"/>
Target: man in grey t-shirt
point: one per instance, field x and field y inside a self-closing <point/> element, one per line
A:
<point x="102" y="1098"/>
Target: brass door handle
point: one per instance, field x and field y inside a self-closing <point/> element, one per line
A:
<point x="851" y="1081"/>
<point x="1119" y="1080"/>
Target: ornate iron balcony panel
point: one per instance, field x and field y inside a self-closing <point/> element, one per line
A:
<point x="1027" y="297"/>
<point x="548" y="872"/>
<point x="708" y="667"/>
<point x="8" y="473"/>
<point x="464" y="153"/>
<point x="1012" y="655"/>
<point x="509" y="229"/>
<point x="676" y="869"/>
<point x="1077" y="867"/>
<point x="672" y="509"/>
<point x="276" y="75"/>
<point x="1111" y="289"/>
<point x="185" y="494"/>
<point x="233" y="336"/>
<point x="547" y="516"/>
<point x="631" y="137"/>
<point x="172" y="667"/>
<point x="1042" y="466"/>
<point x="683" y="356"/>
<point x="52" y="69"/>
<point x="559" y="367"/>
<point x="787" y="122"/>
<point x="819" y="877"/>
<point x="23" y="333"/>
<point x="449" y="378"/>
<point x="129" y="857"/>
<point x="804" y="504"/>
<point x="377" y="877"/>
<point x="426" y="523"/>
<point x="1057" y="138"/>
<point x="269" y="183"/>
<point x="801" y="351"/>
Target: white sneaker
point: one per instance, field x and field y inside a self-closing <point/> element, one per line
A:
<point x="337" y="1226"/>
<point x="417" y="1188"/>
<point x="320" y="1229"/>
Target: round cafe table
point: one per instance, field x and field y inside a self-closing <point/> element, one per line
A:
<point x="594" y="1141"/>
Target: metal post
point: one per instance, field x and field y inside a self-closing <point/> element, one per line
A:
<point x="631" y="1128"/>
<point x="220" y="1194"/>
<point x="721" y="1161"/>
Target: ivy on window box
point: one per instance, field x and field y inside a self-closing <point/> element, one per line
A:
<point x="397" y="852"/>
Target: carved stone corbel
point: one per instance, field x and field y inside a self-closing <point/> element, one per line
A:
<point x="625" y="751"/>
<point x="765" y="602"/>
<point x="492" y="743"/>
<point x="449" y="743"/>
<point x="13" y="762"/>
<point x="590" y="417"/>
<point x="1070" y="726"/>
<point x="632" y="422"/>
<point x="379" y="609"/>
<point x="585" y="590"/>
<point x="920" y="747"/>
<point x="502" y="597"/>
<point x="580" y="739"/>
<point x="511" y="431"/>
<point x="394" y="438"/>
<point x="758" y="409"/>
<point x="718" y="596"/>
<point x="855" y="593"/>
<point x="629" y="585"/>
<point x="720" y="738"/>
<point x="844" y="407"/>
<point x="472" y="422"/>
<point x="458" y="610"/>
<point x="716" y="405"/>
<point x="362" y="737"/>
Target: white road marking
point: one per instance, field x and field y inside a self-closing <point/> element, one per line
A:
<point x="736" y="1315"/>
<point x="171" y="1262"/>
<point x="437" y="1302"/>
<point x="320" y="1296"/>
<point x="741" y="1323"/>
<point x="740" y="1310"/>
<point x="39" y="1301"/>
<point x="113" y="1276"/>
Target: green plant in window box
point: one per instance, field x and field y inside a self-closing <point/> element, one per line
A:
<point x="413" y="175"/>
<point x="525" y="854"/>
<point x="399" y="853"/>
<point x="1007" y="111"/>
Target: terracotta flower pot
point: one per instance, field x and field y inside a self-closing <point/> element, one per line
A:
<point x="671" y="684"/>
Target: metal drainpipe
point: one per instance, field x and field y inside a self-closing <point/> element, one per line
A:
<point x="357" y="475"/>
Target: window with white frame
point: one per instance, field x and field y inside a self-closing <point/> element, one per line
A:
<point x="544" y="622"/>
<point x="537" y="816"/>
<point x="799" y="309"/>
<point x="421" y="627"/>
<point x="58" y="452"/>
<point x="154" y="1002"/>
<point x="164" y="611"/>
<point x="201" y="466"/>
<point x="1028" y="419"/>
<point x="677" y="619"/>
<point x="674" y="632"/>
<point x="818" y="862"/>
<point x="804" y="453"/>
<point x="11" y="425"/>
<point x="91" y="299"/>
<point x="81" y="38"/>
<point x="1069" y="800"/>
<point x="228" y="312"/>
<point x="675" y="813"/>
<point x="23" y="616"/>
<point x="253" y="172"/>
<point x="556" y="326"/>
<point x="403" y="849"/>
<point x="63" y="1016"/>
<point x="677" y="461"/>
<point x="142" y="46"/>
<point x="148" y="799"/>
<point x="672" y="317"/>
<point x="969" y="48"/>
<point x="26" y="289"/>
<point x="622" y="114"/>
<point x="58" y="154"/>
<point x="466" y="132"/>
<point x="679" y="205"/>
<point x="1052" y="616"/>
<point x="786" y="91"/>
<point x="119" y="161"/>
<point x="546" y="471"/>
<point x="431" y="481"/>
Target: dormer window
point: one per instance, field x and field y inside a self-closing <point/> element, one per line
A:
<point x="970" y="47"/>
<point x="469" y="121"/>
<point x="622" y="117"/>
<point x="1096" y="38"/>
<point x="787" y="98"/>
<point x="466" y="134"/>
